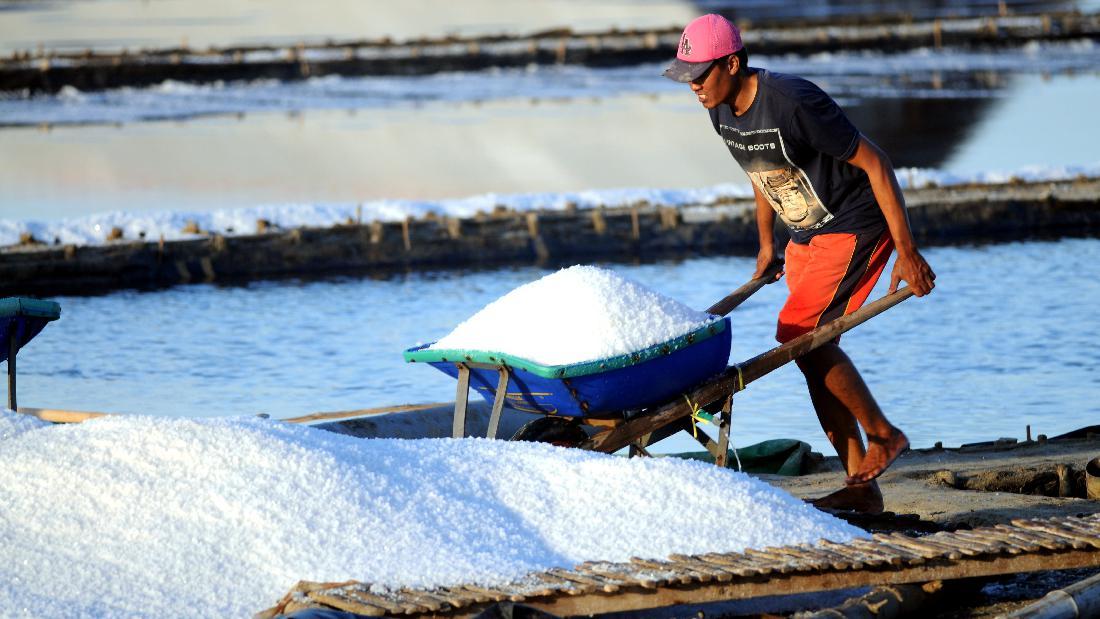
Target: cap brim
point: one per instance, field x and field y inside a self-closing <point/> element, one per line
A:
<point x="681" y="71"/>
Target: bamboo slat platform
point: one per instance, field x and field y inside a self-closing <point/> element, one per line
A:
<point x="599" y="587"/>
<point x="49" y="71"/>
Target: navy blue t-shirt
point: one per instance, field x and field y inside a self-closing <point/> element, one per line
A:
<point x="794" y="142"/>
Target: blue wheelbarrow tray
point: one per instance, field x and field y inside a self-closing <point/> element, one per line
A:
<point x="627" y="382"/>
<point x="21" y="319"/>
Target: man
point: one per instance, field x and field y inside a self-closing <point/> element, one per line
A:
<point x="838" y="196"/>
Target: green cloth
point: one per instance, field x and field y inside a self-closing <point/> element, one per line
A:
<point x="779" y="456"/>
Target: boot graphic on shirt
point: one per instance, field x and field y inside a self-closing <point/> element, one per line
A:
<point x="786" y="197"/>
<point x="788" y="191"/>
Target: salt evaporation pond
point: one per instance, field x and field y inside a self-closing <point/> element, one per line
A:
<point x="144" y="516"/>
<point x="578" y="314"/>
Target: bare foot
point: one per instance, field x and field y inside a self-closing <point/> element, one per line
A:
<point x="862" y="498"/>
<point x="881" y="453"/>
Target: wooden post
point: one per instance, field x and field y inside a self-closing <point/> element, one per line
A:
<point x="454" y="227"/>
<point x="599" y="224"/>
<point x="405" y="234"/>
<point x="670" y="218"/>
<point x="635" y="226"/>
<point x="532" y="224"/>
<point x="13" y="347"/>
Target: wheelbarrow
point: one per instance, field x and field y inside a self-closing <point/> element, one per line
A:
<point x="638" y="399"/>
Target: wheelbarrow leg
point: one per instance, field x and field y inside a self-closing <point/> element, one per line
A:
<point x="462" y="395"/>
<point x="724" y="433"/>
<point x="13" y="348"/>
<point x="498" y="402"/>
<point x="638" y="447"/>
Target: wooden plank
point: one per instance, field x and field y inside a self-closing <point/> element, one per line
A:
<point x="926" y="550"/>
<point x="744" y="564"/>
<point x="364" y="412"/>
<point x="668" y="571"/>
<point x="56" y="415"/>
<point x="1078" y="539"/>
<point x="566" y="585"/>
<point x="616" y="572"/>
<point x="853" y="554"/>
<point x="688" y="562"/>
<point x="907" y="555"/>
<point x="585" y="579"/>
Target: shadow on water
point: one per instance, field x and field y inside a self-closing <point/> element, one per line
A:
<point x="921" y="133"/>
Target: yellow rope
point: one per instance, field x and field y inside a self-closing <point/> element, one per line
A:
<point x="695" y="416"/>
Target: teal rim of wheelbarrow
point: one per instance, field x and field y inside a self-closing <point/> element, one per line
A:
<point x="431" y="355"/>
<point x="36" y="308"/>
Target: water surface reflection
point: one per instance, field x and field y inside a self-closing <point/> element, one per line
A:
<point x="1005" y="341"/>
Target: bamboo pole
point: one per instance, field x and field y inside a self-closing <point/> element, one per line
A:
<point x="1081" y="599"/>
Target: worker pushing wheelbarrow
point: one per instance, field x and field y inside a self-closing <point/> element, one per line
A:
<point x="839" y="198"/>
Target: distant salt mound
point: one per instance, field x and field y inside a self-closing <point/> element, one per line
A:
<point x="141" y="516"/>
<point x="578" y="314"/>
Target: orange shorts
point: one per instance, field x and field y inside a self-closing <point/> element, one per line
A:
<point x="829" y="277"/>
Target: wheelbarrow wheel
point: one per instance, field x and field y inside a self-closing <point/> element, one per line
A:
<point x="553" y="430"/>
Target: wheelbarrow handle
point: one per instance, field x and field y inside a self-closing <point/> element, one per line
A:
<point x="737" y="297"/>
<point x="736" y="377"/>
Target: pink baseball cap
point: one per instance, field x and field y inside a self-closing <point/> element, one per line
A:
<point x="705" y="39"/>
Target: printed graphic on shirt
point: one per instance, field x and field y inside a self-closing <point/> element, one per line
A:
<point x="787" y="188"/>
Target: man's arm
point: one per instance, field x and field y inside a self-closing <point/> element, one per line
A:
<point x="910" y="266"/>
<point x="765" y="225"/>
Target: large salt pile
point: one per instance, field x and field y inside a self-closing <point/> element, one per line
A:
<point x="141" y="516"/>
<point x="578" y="314"/>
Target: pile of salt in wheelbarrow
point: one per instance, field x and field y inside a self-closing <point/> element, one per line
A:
<point x="633" y="399"/>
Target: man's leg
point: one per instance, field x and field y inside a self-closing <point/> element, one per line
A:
<point x="828" y="278"/>
<point x="840" y="398"/>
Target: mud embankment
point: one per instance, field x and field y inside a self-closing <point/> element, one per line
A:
<point x="640" y="231"/>
<point x="48" y="71"/>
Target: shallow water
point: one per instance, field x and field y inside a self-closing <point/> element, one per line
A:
<point x="506" y="145"/>
<point x="1006" y="340"/>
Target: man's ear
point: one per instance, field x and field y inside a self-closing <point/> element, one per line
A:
<point x="734" y="64"/>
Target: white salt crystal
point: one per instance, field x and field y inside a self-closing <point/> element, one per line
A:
<point x="139" y="516"/>
<point x="13" y="424"/>
<point x="579" y="314"/>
